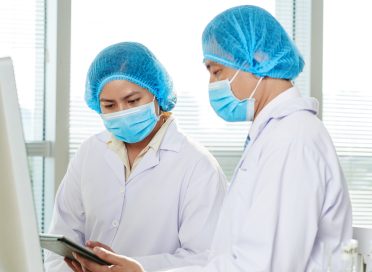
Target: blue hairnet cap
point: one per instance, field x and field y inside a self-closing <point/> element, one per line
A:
<point x="250" y="39"/>
<point x="132" y="62"/>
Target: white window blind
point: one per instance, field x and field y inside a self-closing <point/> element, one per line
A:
<point x="173" y="32"/>
<point x="22" y="37"/>
<point x="347" y="94"/>
<point x="347" y="99"/>
<point x="295" y="17"/>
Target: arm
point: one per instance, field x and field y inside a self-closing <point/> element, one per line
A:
<point x="199" y="207"/>
<point x="275" y="228"/>
<point x="68" y="214"/>
<point x="119" y="264"/>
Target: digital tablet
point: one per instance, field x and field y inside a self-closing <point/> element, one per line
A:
<point x="64" y="247"/>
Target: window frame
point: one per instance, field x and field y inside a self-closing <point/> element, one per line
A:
<point x="54" y="148"/>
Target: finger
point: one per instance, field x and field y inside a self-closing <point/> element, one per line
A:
<point x="77" y="266"/>
<point x="91" y="266"/>
<point x="108" y="256"/>
<point x="69" y="263"/>
<point x="86" y="269"/>
<point x="116" y="259"/>
<point x="93" y="244"/>
<point x="74" y="265"/>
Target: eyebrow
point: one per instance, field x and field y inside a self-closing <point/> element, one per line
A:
<point x="122" y="98"/>
<point x="106" y="100"/>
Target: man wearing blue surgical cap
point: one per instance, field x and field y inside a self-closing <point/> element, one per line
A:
<point x="287" y="209"/>
<point x="141" y="188"/>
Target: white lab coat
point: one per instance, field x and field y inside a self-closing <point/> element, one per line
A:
<point x="166" y="211"/>
<point x="288" y="200"/>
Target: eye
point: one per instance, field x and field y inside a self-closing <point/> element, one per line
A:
<point x="132" y="101"/>
<point x="217" y="72"/>
<point x="108" y="106"/>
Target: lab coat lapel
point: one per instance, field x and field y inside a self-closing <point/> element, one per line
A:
<point x="288" y="102"/>
<point x="283" y="105"/>
<point x="150" y="160"/>
<point x="172" y="142"/>
<point x="116" y="165"/>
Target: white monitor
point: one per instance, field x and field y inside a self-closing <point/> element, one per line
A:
<point x="19" y="242"/>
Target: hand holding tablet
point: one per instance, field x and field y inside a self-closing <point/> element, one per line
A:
<point x="64" y="247"/>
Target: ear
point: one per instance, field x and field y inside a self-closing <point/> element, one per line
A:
<point x="157" y="106"/>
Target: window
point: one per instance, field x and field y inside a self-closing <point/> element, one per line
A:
<point x="165" y="27"/>
<point x="176" y="40"/>
<point x="295" y="17"/>
<point x="22" y="37"/>
<point x="347" y="104"/>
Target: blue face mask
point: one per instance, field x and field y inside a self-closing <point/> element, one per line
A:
<point x="132" y="125"/>
<point x="227" y="106"/>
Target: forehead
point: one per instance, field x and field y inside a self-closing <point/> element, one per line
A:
<point x="122" y="87"/>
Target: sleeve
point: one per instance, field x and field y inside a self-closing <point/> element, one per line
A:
<point x="199" y="209"/>
<point x="68" y="214"/>
<point x="276" y="228"/>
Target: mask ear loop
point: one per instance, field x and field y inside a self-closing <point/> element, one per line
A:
<point x="159" y="110"/>
<point x="234" y="76"/>
<point x="255" y="89"/>
<point x="237" y="72"/>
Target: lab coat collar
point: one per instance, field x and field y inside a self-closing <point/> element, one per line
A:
<point x="103" y="136"/>
<point x="150" y="160"/>
<point x="111" y="158"/>
<point x="172" y="141"/>
<point x="283" y="105"/>
<point x="115" y="164"/>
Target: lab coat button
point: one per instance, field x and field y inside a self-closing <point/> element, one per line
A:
<point x="115" y="223"/>
<point x="122" y="190"/>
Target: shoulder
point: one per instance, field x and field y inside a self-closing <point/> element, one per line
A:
<point x="187" y="148"/>
<point x="95" y="142"/>
<point x="300" y="134"/>
<point x="300" y="128"/>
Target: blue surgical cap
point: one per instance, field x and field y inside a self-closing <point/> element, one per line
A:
<point x="132" y="62"/>
<point x="251" y="39"/>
